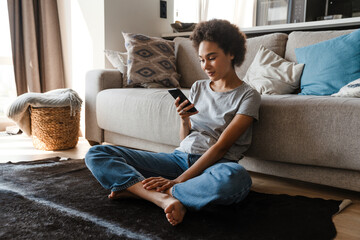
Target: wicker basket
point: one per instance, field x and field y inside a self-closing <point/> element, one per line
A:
<point x="53" y="128"/>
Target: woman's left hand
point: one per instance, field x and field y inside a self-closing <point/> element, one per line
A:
<point x="159" y="184"/>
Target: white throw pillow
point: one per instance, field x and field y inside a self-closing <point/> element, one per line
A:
<point x="119" y="61"/>
<point x="351" y="89"/>
<point x="271" y="74"/>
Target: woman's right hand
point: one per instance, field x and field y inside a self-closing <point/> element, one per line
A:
<point x="182" y="110"/>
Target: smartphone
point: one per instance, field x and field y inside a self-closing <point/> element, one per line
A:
<point x="175" y="92"/>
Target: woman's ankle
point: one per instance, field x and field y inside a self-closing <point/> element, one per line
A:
<point x="121" y="194"/>
<point x="169" y="191"/>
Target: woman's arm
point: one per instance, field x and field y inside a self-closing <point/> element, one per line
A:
<point x="185" y="124"/>
<point x="228" y="137"/>
<point x="232" y="132"/>
<point x="185" y="127"/>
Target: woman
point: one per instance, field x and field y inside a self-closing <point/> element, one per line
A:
<point x="203" y="170"/>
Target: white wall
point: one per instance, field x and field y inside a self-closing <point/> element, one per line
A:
<point x="135" y="16"/>
<point x="90" y="26"/>
<point x="82" y="37"/>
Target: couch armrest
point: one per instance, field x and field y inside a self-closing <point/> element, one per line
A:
<point x="96" y="81"/>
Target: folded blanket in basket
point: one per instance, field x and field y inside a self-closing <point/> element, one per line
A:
<point x="18" y="111"/>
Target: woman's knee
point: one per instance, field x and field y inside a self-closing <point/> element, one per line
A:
<point x="241" y="174"/>
<point x="96" y="148"/>
<point x="231" y="182"/>
<point x="234" y="175"/>
<point x="241" y="182"/>
<point x="94" y="154"/>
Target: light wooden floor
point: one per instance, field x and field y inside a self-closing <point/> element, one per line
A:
<point x="19" y="148"/>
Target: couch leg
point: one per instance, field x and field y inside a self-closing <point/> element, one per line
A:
<point x="93" y="143"/>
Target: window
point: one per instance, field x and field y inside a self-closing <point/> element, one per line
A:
<point x="239" y="12"/>
<point x="7" y="80"/>
<point x="217" y="9"/>
<point x="186" y="11"/>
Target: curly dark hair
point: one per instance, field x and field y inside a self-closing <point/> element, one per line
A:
<point x="228" y="37"/>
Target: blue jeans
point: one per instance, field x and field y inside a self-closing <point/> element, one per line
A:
<point x="118" y="168"/>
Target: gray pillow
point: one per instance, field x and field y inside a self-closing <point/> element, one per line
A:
<point x="150" y="59"/>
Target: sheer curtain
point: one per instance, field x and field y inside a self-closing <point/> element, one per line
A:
<point x="245" y="13"/>
<point x="36" y="45"/>
<point x="203" y="10"/>
<point x="239" y="12"/>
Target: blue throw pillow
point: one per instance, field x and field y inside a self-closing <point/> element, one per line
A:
<point x="329" y="65"/>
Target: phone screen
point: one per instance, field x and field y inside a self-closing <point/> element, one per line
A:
<point x="175" y="92"/>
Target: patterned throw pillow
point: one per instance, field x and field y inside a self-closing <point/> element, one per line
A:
<point x="351" y="89"/>
<point x="119" y="61"/>
<point x="150" y="60"/>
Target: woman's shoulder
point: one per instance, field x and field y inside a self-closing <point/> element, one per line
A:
<point x="246" y="88"/>
<point x="200" y="84"/>
<point x="250" y="93"/>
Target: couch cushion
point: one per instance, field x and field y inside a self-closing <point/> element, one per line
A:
<point x="187" y="60"/>
<point x="308" y="130"/>
<point x="275" y="42"/>
<point x="302" y="39"/>
<point x="147" y="114"/>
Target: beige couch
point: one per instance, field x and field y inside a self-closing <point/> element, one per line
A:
<point x="309" y="138"/>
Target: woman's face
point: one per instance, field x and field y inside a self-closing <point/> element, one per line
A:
<point x="214" y="62"/>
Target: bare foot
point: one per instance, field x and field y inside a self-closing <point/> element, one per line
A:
<point x="121" y="194"/>
<point x="173" y="208"/>
<point x="175" y="212"/>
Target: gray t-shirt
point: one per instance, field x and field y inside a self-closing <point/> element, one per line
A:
<point x="216" y="110"/>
